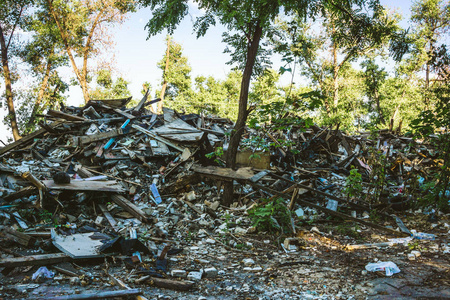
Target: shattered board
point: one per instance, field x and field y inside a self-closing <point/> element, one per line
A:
<point x="80" y="245"/>
<point x="179" y="130"/>
<point x="85" y="185"/>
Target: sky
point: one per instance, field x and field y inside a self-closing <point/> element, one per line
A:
<point x="136" y="55"/>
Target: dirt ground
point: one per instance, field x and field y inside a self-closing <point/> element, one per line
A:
<point x="321" y="267"/>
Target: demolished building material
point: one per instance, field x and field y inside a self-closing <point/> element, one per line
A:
<point x="139" y="196"/>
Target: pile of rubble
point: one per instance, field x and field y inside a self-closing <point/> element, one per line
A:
<point x="104" y="200"/>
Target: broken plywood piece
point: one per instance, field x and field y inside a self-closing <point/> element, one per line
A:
<point x="79" y="245"/>
<point x="180" y="131"/>
<point x="86" y="185"/>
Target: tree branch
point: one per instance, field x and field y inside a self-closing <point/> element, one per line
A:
<point x="14" y="27"/>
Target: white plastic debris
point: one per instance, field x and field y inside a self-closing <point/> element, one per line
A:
<point x="42" y="272"/>
<point x="388" y="266"/>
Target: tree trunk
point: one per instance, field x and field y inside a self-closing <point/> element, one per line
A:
<point x="40" y="96"/>
<point x="380" y="112"/>
<point x="166" y="69"/>
<point x="8" y="87"/>
<point x="335" y="77"/>
<point x="239" y="127"/>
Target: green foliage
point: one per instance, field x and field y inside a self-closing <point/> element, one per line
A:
<point x="353" y="184"/>
<point x="217" y="154"/>
<point x="379" y="165"/>
<point x="107" y="88"/>
<point x="274" y="216"/>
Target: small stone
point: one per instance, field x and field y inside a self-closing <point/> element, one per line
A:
<point x="248" y="261"/>
<point x="221" y="272"/>
<point x="240" y="230"/>
<point x="364" y="272"/>
<point x="257" y="269"/>
<point x="215" y="205"/>
<point x="416" y="253"/>
<point x="190" y="196"/>
<point x="210" y="241"/>
<point x="411" y="256"/>
<point x="194" y="275"/>
<point x="99" y="220"/>
<point x="248" y="269"/>
<point x="75" y="281"/>
<point x="252" y="229"/>
<point x="178" y="273"/>
<point x="210" y="272"/>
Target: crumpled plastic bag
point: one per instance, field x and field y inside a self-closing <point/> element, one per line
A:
<point x="42" y="272"/>
<point x="388" y="266"/>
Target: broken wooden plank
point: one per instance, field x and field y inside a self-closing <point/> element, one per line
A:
<point x="116" y="110"/>
<point x="18" y="237"/>
<point x="113" y="103"/>
<point x="86" y="185"/>
<point x="109" y="217"/>
<point x="130" y="207"/>
<point x="34" y="260"/>
<point x="171" y="284"/>
<point x="37" y="183"/>
<point x="224" y="173"/>
<point x="61" y="115"/>
<point x="87" y="139"/>
<point x="158" y="138"/>
<point x="28" y="138"/>
<point x="24" y="192"/>
<point x="122" y="284"/>
<point x="99" y="295"/>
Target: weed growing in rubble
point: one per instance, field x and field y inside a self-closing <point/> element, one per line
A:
<point x="274" y="216"/>
<point x="353" y="184"/>
<point x="217" y="154"/>
<point x="46" y="217"/>
<point x="378" y="162"/>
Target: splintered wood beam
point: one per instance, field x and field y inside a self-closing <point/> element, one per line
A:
<point x="23" y="192"/>
<point x="18" y="237"/>
<point x="61" y="115"/>
<point x="99" y="295"/>
<point x="37" y="183"/>
<point x="130" y="207"/>
<point x="86" y="185"/>
<point x="171" y="284"/>
<point x="87" y="139"/>
<point x="158" y="138"/>
<point x="34" y="260"/>
<point x="109" y="217"/>
<point x="26" y="139"/>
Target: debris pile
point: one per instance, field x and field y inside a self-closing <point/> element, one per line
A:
<point x="137" y="195"/>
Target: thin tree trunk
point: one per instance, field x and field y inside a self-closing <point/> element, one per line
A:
<point x="380" y="112"/>
<point x="8" y="87"/>
<point x="86" y="50"/>
<point x="166" y="69"/>
<point x="335" y="77"/>
<point x="239" y="127"/>
<point x="40" y="96"/>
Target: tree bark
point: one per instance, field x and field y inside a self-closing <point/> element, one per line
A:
<point x="239" y="127"/>
<point x="8" y="87"/>
<point x="166" y="69"/>
<point x="40" y="96"/>
<point x="336" y="67"/>
<point x="380" y="112"/>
